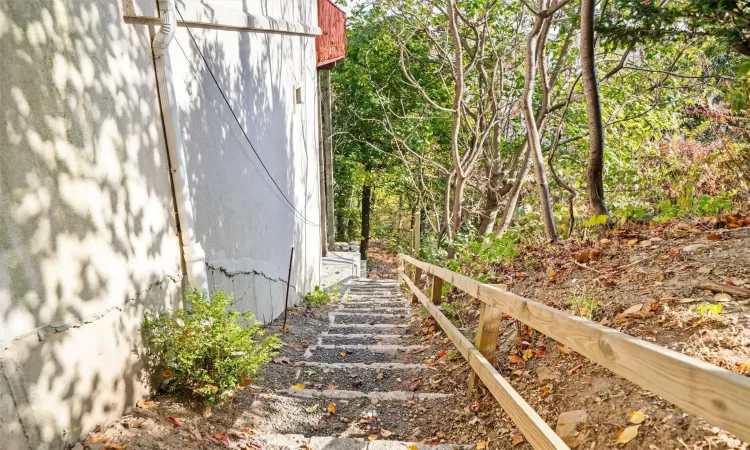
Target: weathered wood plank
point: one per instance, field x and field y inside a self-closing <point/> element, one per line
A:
<point x="417" y="277"/>
<point x="488" y="330"/>
<point x="717" y="395"/>
<point x="437" y="290"/>
<point x="534" y="429"/>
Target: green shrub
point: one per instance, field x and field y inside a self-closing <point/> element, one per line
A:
<point x="207" y="348"/>
<point x="316" y="298"/>
<point x="583" y="306"/>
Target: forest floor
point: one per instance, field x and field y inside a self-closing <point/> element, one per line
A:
<point x="640" y="280"/>
<point x="643" y="282"/>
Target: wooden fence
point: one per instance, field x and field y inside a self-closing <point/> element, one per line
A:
<point x="717" y="395"/>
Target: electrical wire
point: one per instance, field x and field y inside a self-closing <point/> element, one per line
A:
<point x="239" y="124"/>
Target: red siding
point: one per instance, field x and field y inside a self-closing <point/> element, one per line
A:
<point x="331" y="45"/>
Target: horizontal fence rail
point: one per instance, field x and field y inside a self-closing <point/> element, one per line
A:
<point x="720" y="397"/>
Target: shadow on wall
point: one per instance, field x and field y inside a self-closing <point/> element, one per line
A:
<point x="87" y="233"/>
<point x="243" y="221"/>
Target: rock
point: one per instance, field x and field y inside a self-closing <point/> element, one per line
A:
<point x="567" y="427"/>
<point x="656" y="239"/>
<point x="96" y="446"/>
<point x="78" y="446"/>
<point x="721" y="297"/>
<point x="545" y="373"/>
<point x="693" y="247"/>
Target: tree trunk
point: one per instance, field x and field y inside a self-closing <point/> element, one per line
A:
<point x="367" y="195"/>
<point x="535" y="146"/>
<point x="458" y="196"/>
<point x="446" y="231"/>
<point x="594" y="171"/>
<point x="325" y="97"/>
<point x="322" y="180"/>
<point x="515" y="195"/>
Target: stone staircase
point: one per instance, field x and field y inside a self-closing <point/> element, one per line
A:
<point x="368" y="333"/>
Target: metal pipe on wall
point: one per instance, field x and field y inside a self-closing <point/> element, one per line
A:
<point x="195" y="257"/>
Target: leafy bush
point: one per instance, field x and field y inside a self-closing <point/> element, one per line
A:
<point x="207" y="348"/>
<point x="316" y="298"/>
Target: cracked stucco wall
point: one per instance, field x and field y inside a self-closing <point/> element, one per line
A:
<point x="242" y="220"/>
<point x="87" y="241"/>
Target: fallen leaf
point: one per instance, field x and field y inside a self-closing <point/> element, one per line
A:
<point x="331" y="387"/>
<point x="332" y="408"/>
<point x="540" y="352"/>
<point x="482" y="445"/>
<point x="545" y="391"/>
<point x="744" y="367"/>
<point x="631" y="310"/>
<point x="441" y="353"/>
<point x="372" y="437"/>
<point x="114" y="446"/>
<point x="312" y="409"/>
<point x="636" y="417"/>
<point x="297" y="387"/>
<point x="342" y="354"/>
<point x="213" y="389"/>
<point x="674" y="252"/>
<point x="412" y="447"/>
<point x="167" y="373"/>
<point x="528" y="354"/>
<point x="385" y="433"/>
<point x="176" y="422"/>
<point x="143" y="404"/>
<point x="286" y="329"/>
<point x="515" y="359"/>
<point x="95" y="439"/>
<point x="564" y="349"/>
<point x="627" y="434"/>
<point x="222" y="437"/>
<point x="574" y="369"/>
<point x="583" y="257"/>
<point x="517" y="439"/>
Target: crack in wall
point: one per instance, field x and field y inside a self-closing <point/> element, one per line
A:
<point x="45" y="331"/>
<point x="17" y="408"/>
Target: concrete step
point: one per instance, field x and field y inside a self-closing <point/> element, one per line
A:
<point x="297" y="441"/>
<point x="384" y="396"/>
<point x="363" y="366"/>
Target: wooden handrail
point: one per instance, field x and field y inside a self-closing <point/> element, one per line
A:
<point x="533" y="427"/>
<point x="720" y="397"/>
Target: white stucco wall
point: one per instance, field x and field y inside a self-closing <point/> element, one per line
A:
<point x="88" y="236"/>
<point x="243" y="222"/>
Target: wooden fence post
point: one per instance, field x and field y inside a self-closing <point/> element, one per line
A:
<point x="488" y="330"/>
<point x="437" y="290"/>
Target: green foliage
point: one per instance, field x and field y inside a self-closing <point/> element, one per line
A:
<point x="317" y="297"/>
<point x="451" y="355"/>
<point x="594" y="221"/>
<point x="583" y="306"/>
<point x="207" y="349"/>
<point x="707" y="310"/>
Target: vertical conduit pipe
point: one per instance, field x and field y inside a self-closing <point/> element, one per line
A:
<point x="195" y="257"/>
